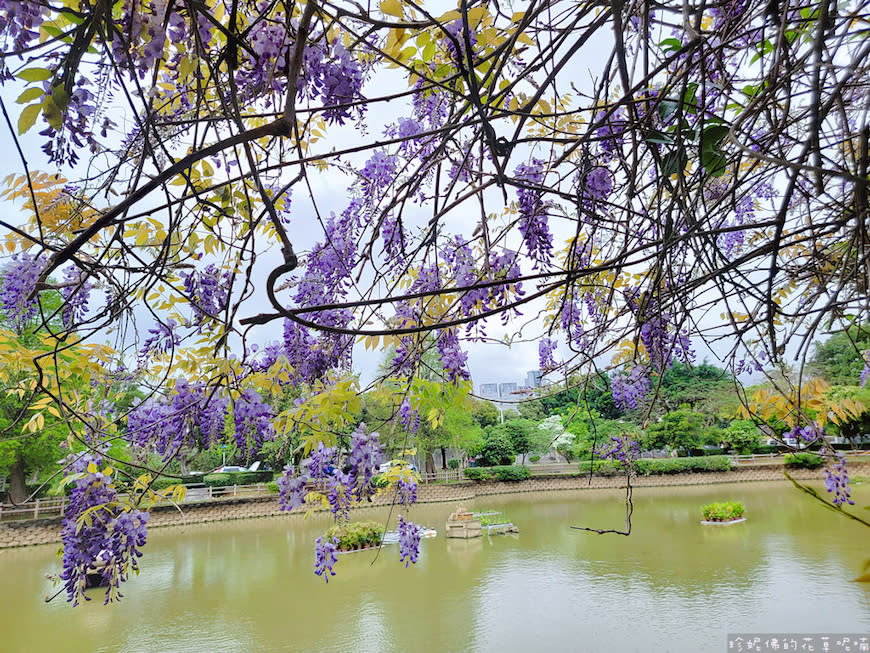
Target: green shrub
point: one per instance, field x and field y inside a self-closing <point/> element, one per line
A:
<point x="803" y="460"/>
<point x="534" y="458"/>
<point x="380" y="481"/>
<point x="356" y="535"/>
<point x="453" y="463"/>
<point x="498" y="473"/>
<point x="217" y="480"/>
<point x="600" y="467"/>
<point x="477" y="473"/>
<point x="492" y="519"/>
<point x="724" y="511"/>
<point x="511" y="472"/>
<point x="163" y="482"/>
<point x="222" y="479"/>
<point x="272" y="486"/>
<point x="655" y="466"/>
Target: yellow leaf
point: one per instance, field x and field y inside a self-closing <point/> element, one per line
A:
<point x="393" y="8"/>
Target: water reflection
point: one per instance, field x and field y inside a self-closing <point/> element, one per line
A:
<point x="248" y="586"/>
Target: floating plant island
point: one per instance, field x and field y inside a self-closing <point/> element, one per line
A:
<point x="723" y="513"/>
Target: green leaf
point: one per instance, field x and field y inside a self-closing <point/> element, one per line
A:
<point x="32" y="93"/>
<point x="674" y="162"/>
<point x="28" y="117"/>
<point x="659" y="137"/>
<point x="60" y="97"/>
<point x="36" y="74"/>
<point x="429" y="51"/>
<point x="714" y="161"/>
<point x="671" y="45"/>
<point x="667" y="108"/>
<point x="690" y="98"/>
<point x="53" y="115"/>
<point x="714" y="135"/>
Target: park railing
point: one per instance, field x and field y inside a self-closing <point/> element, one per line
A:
<point x="55" y="506"/>
<point x="442" y="476"/>
<point x="755" y="458"/>
<point x="41" y="508"/>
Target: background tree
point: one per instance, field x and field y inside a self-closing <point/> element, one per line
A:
<point x="682" y="429"/>
<point x="841" y="359"/>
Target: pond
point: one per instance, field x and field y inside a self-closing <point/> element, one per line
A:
<point x="673" y="585"/>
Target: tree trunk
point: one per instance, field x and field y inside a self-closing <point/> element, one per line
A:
<point x="17" y="483"/>
<point x="443" y="458"/>
<point x="430" y="463"/>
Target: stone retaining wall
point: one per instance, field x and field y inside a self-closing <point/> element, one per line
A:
<point x="47" y="531"/>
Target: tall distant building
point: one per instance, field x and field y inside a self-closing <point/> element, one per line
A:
<point x="489" y="391"/>
<point x="533" y="378"/>
<point x="507" y="391"/>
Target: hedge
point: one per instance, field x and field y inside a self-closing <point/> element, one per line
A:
<point x="600" y="467"/>
<point x="803" y="461"/>
<point x="498" y="473"/>
<point x="236" y="478"/>
<point x="654" y="466"/>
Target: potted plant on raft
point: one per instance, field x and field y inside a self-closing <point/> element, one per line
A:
<point x="726" y="512"/>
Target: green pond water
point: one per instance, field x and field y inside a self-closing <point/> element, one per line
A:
<point x="673" y="585"/>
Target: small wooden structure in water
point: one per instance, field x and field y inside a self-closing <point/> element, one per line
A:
<point x="461" y="524"/>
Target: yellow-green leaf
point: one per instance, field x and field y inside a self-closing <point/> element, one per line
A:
<point x="28" y="117"/>
<point x="393" y="8"/>
<point x="33" y="93"/>
<point x="52" y="113"/>
<point x="35" y="74"/>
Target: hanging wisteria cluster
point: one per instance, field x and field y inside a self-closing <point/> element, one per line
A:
<point x="100" y="536"/>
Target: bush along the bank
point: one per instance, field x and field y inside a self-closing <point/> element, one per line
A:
<point x="223" y="479"/>
<point x="803" y="461"/>
<point x="724" y="511"/>
<point x="600" y="467"/>
<point x="356" y="535"/>
<point x="498" y="473"/>
<point x="653" y="466"/>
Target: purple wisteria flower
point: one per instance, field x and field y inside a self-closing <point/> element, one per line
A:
<point x="598" y="184"/>
<point x="207" y="291"/>
<point x="17" y="289"/>
<point x="808" y="434"/>
<point x="664" y="342"/>
<point x="108" y="541"/>
<point x="291" y="489"/>
<point x="533" y="212"/>
<point x="546" y="347"/>
<point x="190" y="416"/>
<point x="865" y="373"/>
<point x="253" y="422"/>
<point x="325" y="557"/>
<point x="622" y="449"/>
<point x="610" y="133"/>
<point x="453" y="359"/>
<point x="630" y="388"/>
<point x="406" y="491"/>
<point x="162" y="340"/>
<point x="409" y="541"/>
<point x="837" y="481"/>
<point x="364" y="459"/>
<point x="409" y="416"/>
<point x="75" y="292"/>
